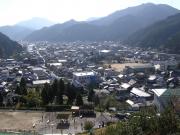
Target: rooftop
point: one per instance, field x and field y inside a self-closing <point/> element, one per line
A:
<point x="125" y="85"/>
<point x="40" y="82"/>
<point x="55" y="64"/>
<point x="105" y="51"/>
<point x="140" y="93"/>
<point x="159" y="92"/>
<point x="62" y="61"/>
<point x="84" y="73"/>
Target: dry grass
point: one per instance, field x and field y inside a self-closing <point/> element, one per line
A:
<point x="120" y="67"/>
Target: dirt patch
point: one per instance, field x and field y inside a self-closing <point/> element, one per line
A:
<point x="120" y="67"/>
<point x="19" y="120"/>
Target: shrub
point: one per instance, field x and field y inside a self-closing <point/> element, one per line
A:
<point x="88" y="125"/>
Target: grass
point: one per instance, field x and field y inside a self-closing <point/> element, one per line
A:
<point x="99" y="131"/>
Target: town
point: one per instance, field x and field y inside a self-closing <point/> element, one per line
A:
<point x="75" y="87"/>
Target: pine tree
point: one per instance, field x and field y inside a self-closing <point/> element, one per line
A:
<point x="18" y="90"/>
<point x="96" y="100"/>
<point x="90" y="95"/>
<point x="23" y="86"/>
<point x="60" y="91"/>
<point x="59" y="99"/>
<point x="71" y="93"/>
<point x="54" y="87"/>
<point x="50" y="94"/>
<point x="79" y="100"/>
<point x="61" y="86"/>
<point x="1" y="99"/>
<point x="44" y="94"/>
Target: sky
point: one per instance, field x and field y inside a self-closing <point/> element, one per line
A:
<point x="14" y="11"/>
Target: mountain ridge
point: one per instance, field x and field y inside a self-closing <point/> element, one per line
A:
<point x="122" y="27"/>
<point x="8" y="47"/>
<point x="130" y="10"/>
<point x="35" y="23"/>
<point x="15" y="32"/>
<point x="163" y="34"/>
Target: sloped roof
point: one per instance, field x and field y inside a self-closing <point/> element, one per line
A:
<point x="167" y="92"/>
<point x="159" y="92"/>
<point x="140" y="93"/>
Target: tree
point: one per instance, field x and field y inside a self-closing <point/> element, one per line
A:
<point x="60" y="91"/>
<point x="23" y="86"/>
<point x="79" y="100"/>
<point x="54" y="87"/>
<point x="146" y="122"/>
<point x="178" y="66"/>
<point x="59" y="99"/>
<point x="23" y="82"/>
<point x="32" y="99"/>
<point x="90" y="95"/>
<point x="61" y="86"/>
<point x="18" y="90"/>
<point x="38" y="90"/>
<point x="71" y="93"/>
<point x="106" y="103"/>
<point x="88" y="125"/>
<point x="51" y="94"/>
<point x="96" y="100"/>
<point x="168" y="121"/>
<point x="1" y="99"/>
<point x="44" y="94"/>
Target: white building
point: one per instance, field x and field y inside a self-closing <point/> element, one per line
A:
<point x="84" y="78"/>
<point x="109" y="72"/>
<point x="40" y="82"/>
<point x="158" y="98"/>
<point x="163" y="97"/>
<point x="163" y="65"/>
<point x="139" y="93"/>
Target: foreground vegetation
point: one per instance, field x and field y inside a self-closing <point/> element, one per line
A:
<point x="147" y="122"/>
<point x="59" y="95"/>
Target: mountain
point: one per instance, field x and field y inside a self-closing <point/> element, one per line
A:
<point x="163" y="34"/>
<point x="8" y="47"/>
<point x="117" y="26"/>
<point x="82" y="31"/>
<point x="148" y="12"/>
<point x="15" y="32"/>
<point x="23" y="29"/>
<point x="49" y="33"/>
<point x="122" y="28"/>
<point x="35" y="23"/>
